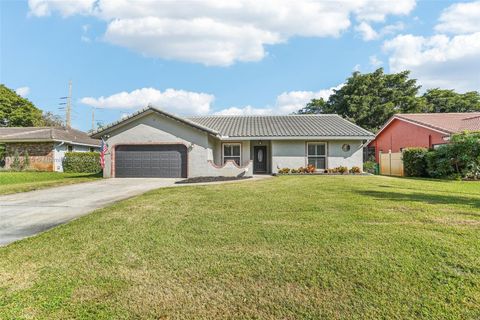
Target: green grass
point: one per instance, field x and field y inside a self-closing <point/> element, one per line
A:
<point x="12" y="182"/>
<point x="333" y="247"/>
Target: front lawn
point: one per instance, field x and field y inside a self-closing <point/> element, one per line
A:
<point x="12" y="182"/>
<point x="333" y="247"/>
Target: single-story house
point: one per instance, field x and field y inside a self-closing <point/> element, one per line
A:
<point x="46" y="146"/>
<point x="427" y="130"/>
<point x="154" y="143"/>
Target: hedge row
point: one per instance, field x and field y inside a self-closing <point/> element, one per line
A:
<point x="82" y="162"/>
<point x="458" y="159"/>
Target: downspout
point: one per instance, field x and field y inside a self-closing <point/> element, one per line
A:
<point x="55" y="156"/>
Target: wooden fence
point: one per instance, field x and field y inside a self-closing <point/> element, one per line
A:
<point x="391" y="164"/>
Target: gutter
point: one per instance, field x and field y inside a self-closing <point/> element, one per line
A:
<point x="53" y="140"/>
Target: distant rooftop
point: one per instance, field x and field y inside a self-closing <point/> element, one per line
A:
<point x="446" y="122"/>
<point x="34" y="134"/>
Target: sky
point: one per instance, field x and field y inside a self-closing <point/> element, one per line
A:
<point x="248" y="57"/>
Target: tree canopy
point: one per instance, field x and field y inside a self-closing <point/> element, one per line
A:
<point x="441" y="100"/>
<point x="50" y="119"/>
<point x="16" y="111"/>
<point x="370" y="99"/>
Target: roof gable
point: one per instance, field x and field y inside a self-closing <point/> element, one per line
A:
<point x="445" y="123"/>
<point x="146" y="111"/>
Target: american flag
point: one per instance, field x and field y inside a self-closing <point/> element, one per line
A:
<point x="102" y="153"/>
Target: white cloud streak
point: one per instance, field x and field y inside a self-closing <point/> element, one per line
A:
<point x="193" y="103"/>
<point x="286" y="103"/>
<point x="176" y="101"/>
<point x="438" y="61"/>
<point x="218" y="32"/>
<point x="460" y="18"/>
<point x="23" y="91"/>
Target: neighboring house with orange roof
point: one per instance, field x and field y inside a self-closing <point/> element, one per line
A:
<point x="427" y="130"/>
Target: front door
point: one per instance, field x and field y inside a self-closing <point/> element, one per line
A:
<point x="259" y="159"/>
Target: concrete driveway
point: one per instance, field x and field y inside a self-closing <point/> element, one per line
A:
<point x="28" y="213"/>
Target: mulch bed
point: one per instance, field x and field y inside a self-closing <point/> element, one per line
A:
<point x="211" y="179"/>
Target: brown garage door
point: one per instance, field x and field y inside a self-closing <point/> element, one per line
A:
<point x="151" y="161"/>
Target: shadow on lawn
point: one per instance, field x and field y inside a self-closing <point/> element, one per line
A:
<point x="421" y="197"/>
<point x="92" y="175"/>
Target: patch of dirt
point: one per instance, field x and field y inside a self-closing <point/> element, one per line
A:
<point x="210" y="179"/>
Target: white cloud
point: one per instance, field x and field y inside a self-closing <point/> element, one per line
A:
<point x="244" y="111"/>
<point x="366" y="31"/>
<point x="286" y="103"/>
<point x="84" y="37"/>
<point x="460" y="18"/>
<point x="218" y="32"/>
<point x="291" y="101"/>
<point x="375" y="62"/>
<point x="201" y="39"/>
<point x="376" y="11"/>
<point x="438" y="61"/>
<point x="23" y="91"/>
<point x="42" y="8"/>
<point x="176" y="101"/>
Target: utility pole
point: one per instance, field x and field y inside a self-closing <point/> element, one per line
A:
<point x="93" y="118"/>
<point x="68" y="119"/>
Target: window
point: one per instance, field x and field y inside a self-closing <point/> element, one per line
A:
<point x="231" y="151"/>
<point x="317" y="154"/>
<point x="70" y="148"/>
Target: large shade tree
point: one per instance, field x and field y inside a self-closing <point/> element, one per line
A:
<point x="16" y="111"/>
<point x="370" y="99"/>
<point x="441" y="100"/>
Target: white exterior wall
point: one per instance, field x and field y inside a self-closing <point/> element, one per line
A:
<point x="337" y="157"/>
<point x="156" y="129"/>
<point x="59" y="153"/>
<point x="287" y="154"/>
<point x="293" y="154"/>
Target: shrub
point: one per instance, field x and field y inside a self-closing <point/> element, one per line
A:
<point x="294" y="171"/>
<point x="439" y="164"/>
<point x="302" y="170"/>
<point x="458" y="159"/>
<point x="355" y="170"/>
<point x="3" y="151"/>
<point x="370" y="167"/>
<point x="16" y="165"/>
<point x="26" y="160"/>
<point x="415" y="162"/>
<point x="82" y="162"/>
<point x="310" y="168"/>
<point x="342" y="169"/>
<point x="284" y="170"/>
<point x="464" y="150"/>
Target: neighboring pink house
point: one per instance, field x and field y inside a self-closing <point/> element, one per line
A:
<point x="426" y="130"/>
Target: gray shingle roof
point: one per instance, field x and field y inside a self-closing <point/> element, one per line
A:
<point x="13" y="134"/>
<point x="325" y="125"/>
